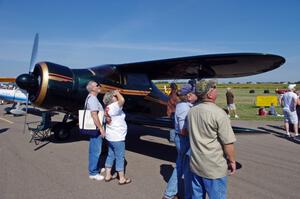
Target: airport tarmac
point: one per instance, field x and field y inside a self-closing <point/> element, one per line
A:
<point x="270" y="164"/>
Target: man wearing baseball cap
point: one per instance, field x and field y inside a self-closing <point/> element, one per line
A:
<point x="186" y="98"/>
<point x="289" y="102"/>
<point x="211" y="141"/>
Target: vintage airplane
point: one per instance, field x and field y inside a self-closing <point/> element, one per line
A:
<point x="18" y="97"/>
<point x="56" y="87"/>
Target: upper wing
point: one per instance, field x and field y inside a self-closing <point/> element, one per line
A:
<point x="206" y="66"/>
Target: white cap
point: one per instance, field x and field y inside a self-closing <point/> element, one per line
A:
<point x="291" y="86"/>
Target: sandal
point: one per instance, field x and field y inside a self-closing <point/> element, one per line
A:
<point x="127" y="181"/>
<point x="111" y="178"/>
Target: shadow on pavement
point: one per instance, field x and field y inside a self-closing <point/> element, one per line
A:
<point x="270" y="131"/>
<point x="282" y="127"/>
<point x="3" y="130"/>
<point x="150" y="148"/>
<point x="247" y="131"/>
<point x="276" y="127"/>
<point x="166" y="171"/>
<point x="280" y="135"/>
<point x="134" y="143"/>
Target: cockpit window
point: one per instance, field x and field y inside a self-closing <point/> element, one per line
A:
<point x="114" y="77"/>
<point x="109" y="73"/>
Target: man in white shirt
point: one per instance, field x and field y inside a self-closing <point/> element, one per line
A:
<point x="289" y="102"/>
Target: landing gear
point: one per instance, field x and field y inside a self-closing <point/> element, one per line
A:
<point x="62" y="130"/>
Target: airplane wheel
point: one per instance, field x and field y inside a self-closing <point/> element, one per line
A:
<point x="61" y="131"/>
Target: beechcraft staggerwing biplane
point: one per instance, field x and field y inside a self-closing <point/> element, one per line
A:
<point x="56" y="87"/>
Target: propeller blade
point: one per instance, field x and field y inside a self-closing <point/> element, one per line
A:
<point x="34" y="52"/>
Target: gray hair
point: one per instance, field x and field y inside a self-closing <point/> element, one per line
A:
<point x="89" y="86"/>
<point x="108" y="97"/>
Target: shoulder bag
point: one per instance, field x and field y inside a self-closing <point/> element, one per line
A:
<point x="86" y="122"/>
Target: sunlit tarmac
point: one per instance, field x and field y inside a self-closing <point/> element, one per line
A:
<point x="270" y="164"/>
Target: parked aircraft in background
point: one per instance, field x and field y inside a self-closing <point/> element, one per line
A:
<point x="56" y="87"/>
<point x="18" y="97"/>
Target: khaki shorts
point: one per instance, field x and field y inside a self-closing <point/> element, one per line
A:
<point x="231" y="106"/>
<point x="290" y="116"/>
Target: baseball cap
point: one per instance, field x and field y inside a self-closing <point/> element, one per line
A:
<point x="185" y="89"/>
<point x="203" y="86"/>
<point x="291" y="86"/>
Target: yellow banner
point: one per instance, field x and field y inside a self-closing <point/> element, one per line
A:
<point x="266" y="100"/>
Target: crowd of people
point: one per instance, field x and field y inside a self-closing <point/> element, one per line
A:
<point x="202" y="134"/>
<point x="204" y="141"/>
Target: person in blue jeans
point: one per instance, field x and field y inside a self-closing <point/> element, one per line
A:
<point x="116" y="130"/>
<point x="95" y="144"/>
<point x="186" y="97"/>
<point x="212" y="144"/>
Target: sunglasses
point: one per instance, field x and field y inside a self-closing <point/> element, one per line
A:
<point x="212" y="88"/>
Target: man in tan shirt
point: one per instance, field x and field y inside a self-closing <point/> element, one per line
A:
<point x="211" y="140"/>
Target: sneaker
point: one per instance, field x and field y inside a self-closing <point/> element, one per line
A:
<point x="102" y="170"/>
<point x="96" y="177"/>
<point x="236" y="116"/>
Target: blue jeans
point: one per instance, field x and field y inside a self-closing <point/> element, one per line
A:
<point x="172" y="135"/>
<point x="116" y="151"/>
<point x="215" y="188"/>
<point x="187" y="178"/>
<point x="172" y="131"/>
<point x="182" y="145"/>
<point x="95" y="148"/>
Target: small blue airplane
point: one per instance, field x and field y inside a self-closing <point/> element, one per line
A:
<point x="17" y="96"/>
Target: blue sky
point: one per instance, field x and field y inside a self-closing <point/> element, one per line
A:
<point x="88" y="33"/>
